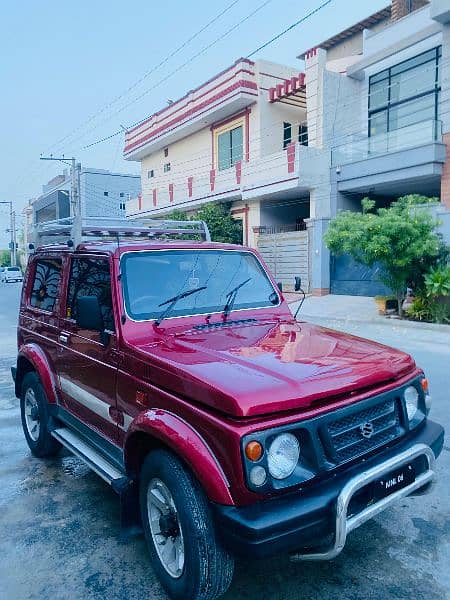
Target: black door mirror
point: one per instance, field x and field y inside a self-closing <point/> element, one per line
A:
<point x="89" y="314"/>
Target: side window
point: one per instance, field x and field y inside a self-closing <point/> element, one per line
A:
<point x="91" y="277"/>
<point x="47" y="276"/>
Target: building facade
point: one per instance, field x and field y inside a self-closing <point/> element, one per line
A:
<point x="246" y="137"/>
<point x="386" y="119"/>
<point x="367" y="114"/>
<point x="102" y="194"/>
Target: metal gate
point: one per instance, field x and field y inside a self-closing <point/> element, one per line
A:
<point x="353" y="279"/>
<point x="286" y="254"/>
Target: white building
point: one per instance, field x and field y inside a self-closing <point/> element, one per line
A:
<point x="247" y="136"/>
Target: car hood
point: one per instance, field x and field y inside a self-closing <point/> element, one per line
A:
<point x="267" y="367"/>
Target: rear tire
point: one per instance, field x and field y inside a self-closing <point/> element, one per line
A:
<point x="186" y="554"/>
<point x="35" y="418"/>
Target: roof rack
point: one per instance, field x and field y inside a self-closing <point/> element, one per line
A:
<point x="98" y="228"/>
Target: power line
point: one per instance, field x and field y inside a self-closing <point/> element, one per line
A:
<point x="279" y="35"/>
<point x="185" y="64"/>
<point x="149" y="72"/>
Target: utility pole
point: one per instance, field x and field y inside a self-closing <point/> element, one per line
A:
<point x="13" y="240"/>
<point x="75" y="197"/>
<point x="12" y="230"/>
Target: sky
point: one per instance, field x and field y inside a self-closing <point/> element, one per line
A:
<point x="66" y="69"/>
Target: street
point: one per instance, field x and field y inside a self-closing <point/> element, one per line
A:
<point x="59" y="522"/>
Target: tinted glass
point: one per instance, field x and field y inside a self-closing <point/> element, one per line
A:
<point x="287" y="134"/>
<point x="47" y="276"/>
<point x="151" y="278"/>
<point x="414" y="62"/>
<point x="411" y="112"/>
<point x="236" y="145"/>
<point x="413" y="82"/>
<point x="229" y="148"/>
<point x="91" y="277"/>
<point x="379" y="94"/>
<point x="378" y="123"/>
<point x="224" y="150"/>
<point x="13" y="269"/>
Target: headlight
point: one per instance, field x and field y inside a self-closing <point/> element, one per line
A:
<point x="283" y="455"/>
<point x="411" y="396"/>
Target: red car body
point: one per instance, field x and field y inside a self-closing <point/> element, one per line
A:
<point x="201" y="390"/>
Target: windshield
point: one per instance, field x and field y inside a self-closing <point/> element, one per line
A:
<point x="151" y="278"/>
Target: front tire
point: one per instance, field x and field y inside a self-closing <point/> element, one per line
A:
<point x="184" y="549"/>
<point x="35" y="418"/>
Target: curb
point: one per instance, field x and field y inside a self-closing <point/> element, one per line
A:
<point x="376" y="320"/>
<point x="382" y="321"/>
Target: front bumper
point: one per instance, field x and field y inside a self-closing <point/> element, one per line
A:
<point x="314" y="523"/>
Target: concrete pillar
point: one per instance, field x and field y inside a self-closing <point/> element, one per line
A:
<point x="319" y="256"/>
<point x="249" y="212"/>
<point x="315" y="61"/>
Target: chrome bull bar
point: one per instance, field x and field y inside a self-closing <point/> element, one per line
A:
<point x="344" y="524"/>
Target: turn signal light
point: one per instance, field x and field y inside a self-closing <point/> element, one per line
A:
<point x="253" y="451"/>
<point x="424" y="384"/>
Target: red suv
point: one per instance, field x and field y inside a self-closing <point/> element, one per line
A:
<point x="175" y="370"/>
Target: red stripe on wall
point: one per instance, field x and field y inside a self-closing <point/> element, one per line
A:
<point x="166" y="108"/>
<point x="192" y="112"/>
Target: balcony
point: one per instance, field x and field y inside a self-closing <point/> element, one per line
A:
<point x="417" y="134"/>
<point x="401" y="161"/>
<point x="296" y="169"/>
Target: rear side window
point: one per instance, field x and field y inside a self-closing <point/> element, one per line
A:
<point x="91" y="277"/>
<point x="47" y="276"/>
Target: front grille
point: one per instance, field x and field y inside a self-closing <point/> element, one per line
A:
<point x="346" y="434"/>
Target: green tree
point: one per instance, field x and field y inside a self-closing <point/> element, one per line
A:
<point x="401" y="240"/>
<point x="5" y="258"/>
<point x="222" y="227"/>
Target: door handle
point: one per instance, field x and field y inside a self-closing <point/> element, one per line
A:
<point x="64" y="338"/>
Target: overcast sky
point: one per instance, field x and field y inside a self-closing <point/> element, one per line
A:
<point x="63" y="64"/>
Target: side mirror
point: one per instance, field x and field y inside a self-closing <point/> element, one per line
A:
<point x="297" y="284"/>
<point x="89" y="314"/>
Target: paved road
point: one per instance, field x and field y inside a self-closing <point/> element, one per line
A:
<point x="59" y="523"/>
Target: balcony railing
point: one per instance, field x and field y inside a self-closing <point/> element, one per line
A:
<point x="410" y="136"/>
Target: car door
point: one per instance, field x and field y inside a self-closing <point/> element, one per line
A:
<point x="40" y="307"/>
<point x="87" y="362"/>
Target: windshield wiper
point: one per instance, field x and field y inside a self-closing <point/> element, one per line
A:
<point x="172" y="301"/>
<point x="231" y="297"/>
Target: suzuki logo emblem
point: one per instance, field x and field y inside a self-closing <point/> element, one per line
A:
<point x="367" y="430"/>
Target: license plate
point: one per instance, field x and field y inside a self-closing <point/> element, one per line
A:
<point x="394" y="481"/>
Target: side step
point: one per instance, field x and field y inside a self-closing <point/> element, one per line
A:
<point x="125" y="486"/>
<point x="88" y="454"/>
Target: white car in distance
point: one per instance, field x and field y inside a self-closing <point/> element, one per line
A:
<point x="11" y="274"/>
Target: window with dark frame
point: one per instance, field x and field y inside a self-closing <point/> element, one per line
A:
<point x="122" y="194"/>
<point x="106" y="193"/>
<point x="166" y="167"/>
<point x="47" y="276"/>
<point x="229" y="148"/>
<point x="405" y="94"/>
<point x="166" y="152"/>
<point x="303" y="135"/>
<point x="150" y="174"/>
<point x="90" y="277"/>
<point x="287" y="134"/>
